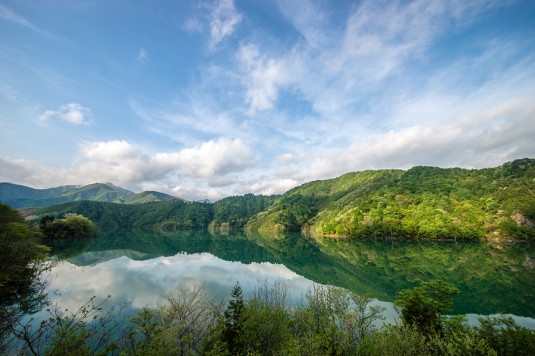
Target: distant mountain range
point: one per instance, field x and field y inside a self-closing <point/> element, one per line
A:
<point x="20" y="196"/>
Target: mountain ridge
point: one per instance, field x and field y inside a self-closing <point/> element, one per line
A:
<point x="20" y="196"/>
<point x="421" y="202"/>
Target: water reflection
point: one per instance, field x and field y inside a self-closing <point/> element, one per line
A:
<point x="136" y="265"/>
<point x="142" y="282"/>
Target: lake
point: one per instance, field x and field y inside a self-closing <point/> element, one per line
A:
<point x="136" y="266"/>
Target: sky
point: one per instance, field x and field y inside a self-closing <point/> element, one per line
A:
<point x="207" y="99"/>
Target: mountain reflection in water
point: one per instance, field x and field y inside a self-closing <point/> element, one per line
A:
<point x="137" y="266"/>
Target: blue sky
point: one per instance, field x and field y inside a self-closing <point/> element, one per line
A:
<point x="205" y="99"/>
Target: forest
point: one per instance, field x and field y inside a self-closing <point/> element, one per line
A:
<point x="419" y="203"/>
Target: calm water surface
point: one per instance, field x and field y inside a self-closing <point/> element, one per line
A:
<point x="136" y="266"/>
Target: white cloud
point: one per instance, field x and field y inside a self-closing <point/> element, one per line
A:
<point x="223" y="19"/>
<point x="308" y="18"/>
<point x="214" y="163"/>
<point x="269" y="186"/>
<point x="122" y="163"/>
<point x="142" y="55"/>
<point x="220" y="16"/>
<point x="212" y="158"/>
<point x="73" y="113"/>
<point x="109" y="151"/>
<point x="485" y="139"/>
<point x="263" y="78"/>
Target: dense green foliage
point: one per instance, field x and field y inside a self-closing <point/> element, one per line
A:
<point x="422" y="202"/>
<point x="72" y="226"/>
<point x="328" y="321"/>
<point x="166" y="216"/>
<point x="235" y="212"/>
<point x="19" y="256"/>
<point x="172" y="215"/>
<point x="422" y="306"/>
<point x="18" y="196"/>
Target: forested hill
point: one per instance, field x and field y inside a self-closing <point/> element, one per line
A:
<point x="231" y="212"/>
<point x="422" y="202"/>
<point x="19" y="196"/>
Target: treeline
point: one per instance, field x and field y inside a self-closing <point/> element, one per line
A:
<point x="173" y="215"/>
<point x="422" y="202"/>
<point x="327" y="321"/>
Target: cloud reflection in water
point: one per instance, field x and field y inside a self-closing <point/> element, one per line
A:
<point x="142" y="282"/>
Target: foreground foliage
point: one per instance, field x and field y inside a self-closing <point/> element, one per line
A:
<point x="21" y="257"/>
<point x="327" y="320"/>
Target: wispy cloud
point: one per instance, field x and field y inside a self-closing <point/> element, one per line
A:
<point x="73" y="113"/>
<point x="142" y="55"/>
<point x="8" y="92"/>
<point x="8" y="15"/>
<point x="221" y="18"/>
<point x="308" y="18"/>
<point x="223" y="21"/>
<point x="263" y="78"/>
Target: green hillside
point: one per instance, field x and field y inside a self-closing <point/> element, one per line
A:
<point x="170" y="215"/>
<point x="18" y="196"/>
<point x="148" y="197"/>
<point x="422" y="202"/>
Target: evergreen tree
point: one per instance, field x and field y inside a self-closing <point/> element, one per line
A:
<point x="234" y="318"/>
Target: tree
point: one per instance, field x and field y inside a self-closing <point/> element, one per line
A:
<point x="266" y="328"/>
<point x="234" y="319"/>
<point x="73" y="226"/>
<point x="180" y="325"/>
<point x="20" y="267"/>
<point x="334" y="320"/>
<point x="422" y="306"/>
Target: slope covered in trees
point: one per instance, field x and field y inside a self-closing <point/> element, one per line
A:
<point x="19" y="196"/>
<point x="422" y="202"/>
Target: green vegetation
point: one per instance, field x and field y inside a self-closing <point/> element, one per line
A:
<point x="423" y="202"/>
<point x="18" y="196"/>
<point x="235" y="212"/>
<point x="73" y="226"/>
<point x="420" y="203"/>
<point x="21" y="258"/>
<point x="328" y="321"/>
<point x="172" y="215"/>
<point x="422" y="306"/>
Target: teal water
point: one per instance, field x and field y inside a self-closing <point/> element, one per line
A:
<point x="136" y="266"/>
